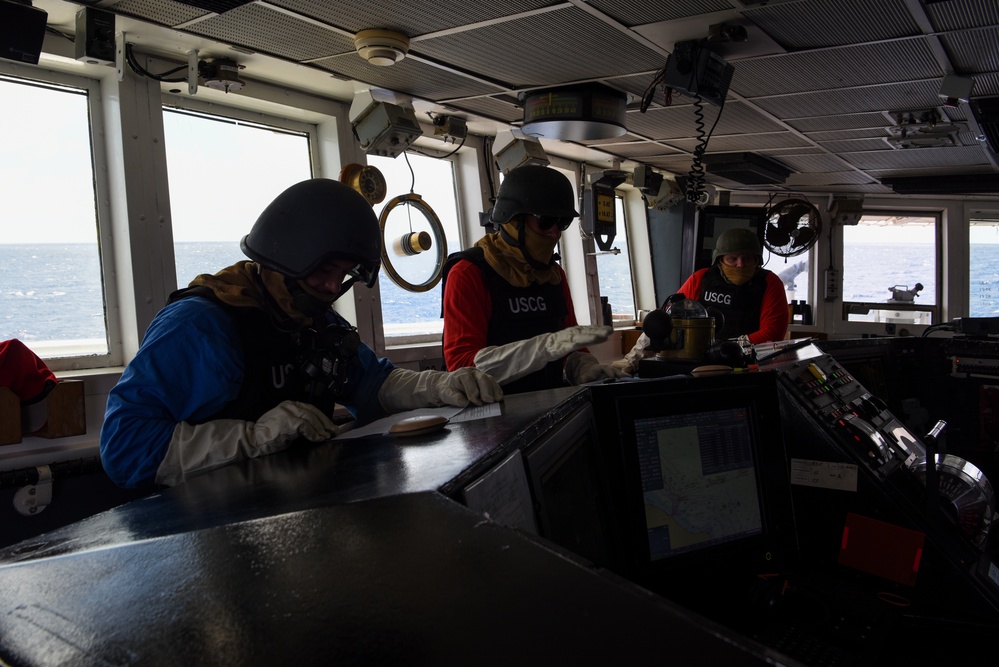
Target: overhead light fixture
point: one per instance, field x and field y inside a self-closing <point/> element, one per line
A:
<point x="381" y="47"/>
<point x="575" y="113"/>
<point x="382" y="128"/>
<point x="512" y="148"/>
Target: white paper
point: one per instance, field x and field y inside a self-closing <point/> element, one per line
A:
<point x="449" y="412"/>
<point x="824" y="474"/>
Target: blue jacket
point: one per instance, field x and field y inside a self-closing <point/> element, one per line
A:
<point x="189" y="367"/>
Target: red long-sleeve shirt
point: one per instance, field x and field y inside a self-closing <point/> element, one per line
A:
<point x="773" y="311"/>
<point x="467" y="309"/>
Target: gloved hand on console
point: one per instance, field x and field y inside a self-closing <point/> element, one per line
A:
<point x="199" y="448"/>
<point x="513" y="361"/>
<point x="404" y="389"/>
<point x="581" y="368"/>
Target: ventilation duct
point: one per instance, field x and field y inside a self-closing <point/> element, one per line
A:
<point x="746" y="168"/>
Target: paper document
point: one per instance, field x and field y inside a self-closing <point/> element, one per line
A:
<point x="451" y="413"/>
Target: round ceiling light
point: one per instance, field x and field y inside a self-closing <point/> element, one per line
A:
<point x="381" y="47"/>
<point x="575" y="113"/>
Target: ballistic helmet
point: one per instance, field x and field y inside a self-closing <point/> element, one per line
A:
<point x="534" y="189"/>
<point x="313" y="222"/>
<point x="737" y="241"/>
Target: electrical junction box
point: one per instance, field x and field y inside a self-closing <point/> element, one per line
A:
<point x="383" y="128"/>
<point x="95" y="38"/>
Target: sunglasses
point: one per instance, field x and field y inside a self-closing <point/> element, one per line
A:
<point x="549" y="221"/>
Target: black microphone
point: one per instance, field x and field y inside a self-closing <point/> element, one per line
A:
<point x="657" y="325"/>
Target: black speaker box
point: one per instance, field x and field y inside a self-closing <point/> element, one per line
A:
<point x="95" y="36"/>
<point x="22" y="31"/>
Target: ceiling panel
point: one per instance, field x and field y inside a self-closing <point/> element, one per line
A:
<point x="544" y="49"/>
<point x="811" y="25"/>
<point x="813" y="84"/>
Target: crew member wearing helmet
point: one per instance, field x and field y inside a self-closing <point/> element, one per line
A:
<point x="245" y="361"/>
<point x="751" y="299"/>
<point x="507" y="307"/>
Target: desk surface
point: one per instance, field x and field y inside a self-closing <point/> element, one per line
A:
<point x="308" y="476"/>
<point x="344" y="553"/>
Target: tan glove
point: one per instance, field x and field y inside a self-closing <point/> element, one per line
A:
<point x="197" y="449"/>
<point x="636" y="354"/>
<point x="513" y="361"/>
<point x="581" y="368"/>
<point x="404" y="389"/>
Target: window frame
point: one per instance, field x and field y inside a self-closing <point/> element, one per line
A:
<point x="214" y="112"/>
<point x="935" y="310"/>
<point x="623" y="229"/>
<point x="92" y="88"/>
<point x="401" y="346"/>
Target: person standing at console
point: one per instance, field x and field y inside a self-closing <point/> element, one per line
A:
<point x="507" y="307"/>
<point x="245" y="361"/>
<point x="751" y="299"/>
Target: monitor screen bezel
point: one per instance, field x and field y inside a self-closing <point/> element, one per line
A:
<point x="772" y="550"/>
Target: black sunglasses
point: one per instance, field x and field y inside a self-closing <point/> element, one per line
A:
<point x="549" y="221"/>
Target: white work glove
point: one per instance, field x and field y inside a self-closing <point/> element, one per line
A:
<point x="197" y="449"/>
<point x="515" y="360"/>
<point x="407" y="390"/>
<point x="581" y="368"/>
<point x="630" y="362"/>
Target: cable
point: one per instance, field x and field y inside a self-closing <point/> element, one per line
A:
<point x="695" y="177"/>
<point x="943" y="326"/>
<point x="138" y="69"/>
<point x="650" y="91"/>
<point x="696" y="174"/>
<point x="442" y="157"/>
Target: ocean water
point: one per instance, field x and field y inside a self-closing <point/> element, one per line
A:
<point x="53" y="292"/>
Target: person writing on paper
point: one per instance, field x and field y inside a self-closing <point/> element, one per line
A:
<point x="244" y="362"/>
<point x="507" y="307"/>
<point x="751" y="299"/>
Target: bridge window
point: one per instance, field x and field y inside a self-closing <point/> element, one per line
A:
<point x="614" y="271"/>
<point x="52" y="295"/>
<point x="223" y="171"/>
<point x="890" y="269"/>
<point x="983" y="265"/>
<point x="410" y="316"/>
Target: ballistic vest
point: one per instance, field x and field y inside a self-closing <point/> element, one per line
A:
<point x="272" y="363"/>
<point x="739" y="304"/>
<point x="519" y="313"/>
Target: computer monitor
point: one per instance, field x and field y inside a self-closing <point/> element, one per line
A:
<point x="699" y="481"/>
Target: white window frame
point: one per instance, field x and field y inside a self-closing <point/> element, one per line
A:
<point x="397" y="345"/>
<point x="105" y="239"/>
<point x="221" y="113"/>
<point x="936" y="310"/>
